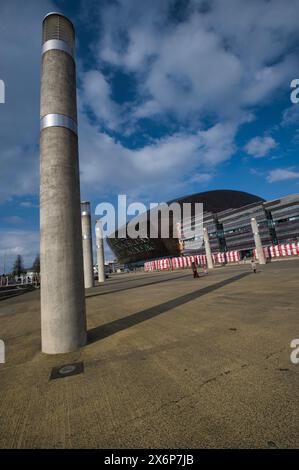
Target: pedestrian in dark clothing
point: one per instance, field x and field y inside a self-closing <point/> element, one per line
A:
<point x="194" y="270"/>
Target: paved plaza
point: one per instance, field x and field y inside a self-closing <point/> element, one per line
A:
<point x="171" y="362"/>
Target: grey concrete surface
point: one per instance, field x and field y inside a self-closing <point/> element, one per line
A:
<point x="58" y="85"/>
<point x="62" y="284"/>
<point x="171" y="361"/>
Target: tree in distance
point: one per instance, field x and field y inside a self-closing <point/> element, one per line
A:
<point x="18" y="267"/>
<point x="36" y="265"/>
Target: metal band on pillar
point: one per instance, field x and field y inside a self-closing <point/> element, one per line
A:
<point x="58" y="34"/>
<point x="57" y="44"/>
<point x="58" y="120"/>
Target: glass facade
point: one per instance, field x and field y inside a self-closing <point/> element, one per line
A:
<point x="229" y="230"/>
<point x="285" y="218"/>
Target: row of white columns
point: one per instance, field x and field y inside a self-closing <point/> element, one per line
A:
<point x="87" y="246"/>
<point x="257" y="241"/>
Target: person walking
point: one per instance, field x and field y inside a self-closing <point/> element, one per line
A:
<point x="253" y="265"/>
<point x="194" y="269"/>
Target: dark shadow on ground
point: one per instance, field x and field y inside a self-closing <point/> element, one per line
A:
<point x="114" y="280"/>
<point x="103" y="331"/>
<point x="157" y="281"/>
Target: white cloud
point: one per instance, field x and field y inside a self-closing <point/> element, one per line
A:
<point x="222" y="58"/>
<point x="20" y="49"/>
<point x="97" y="95"/>
<point x="14" y="220"/>
<point x="266" y="80"/>
<point x="213" y="66"/>
<point x="217" y="62"/>
<point x="106" y="165"/>
<point x="185" y="77"/>
<point x="260" y="146"/>
<point x="217" y="143"/>
<point x="290" y="116"/>
<point x="29" y="205"/>
<point x="147" y="109"/>
<point x="18" y="242"/>
<point x="201" y="178"/>
<point x="19" y="171"/>
<point x="282" y="174"/>
<point x="255" y="172"/>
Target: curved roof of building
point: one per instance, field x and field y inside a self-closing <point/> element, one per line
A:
<point x="221" y="199"/>
<point x="128" y="250"/>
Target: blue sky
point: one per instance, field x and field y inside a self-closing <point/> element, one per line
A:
<point x="174" y="98"/>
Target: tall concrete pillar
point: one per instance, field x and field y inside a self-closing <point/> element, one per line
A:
<point x="100" y="252"/>
<point x="63" y="322"/>
<point x="206" y="240"/>
<point x="87" y="245"/>
<point x="258" y="243"/>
